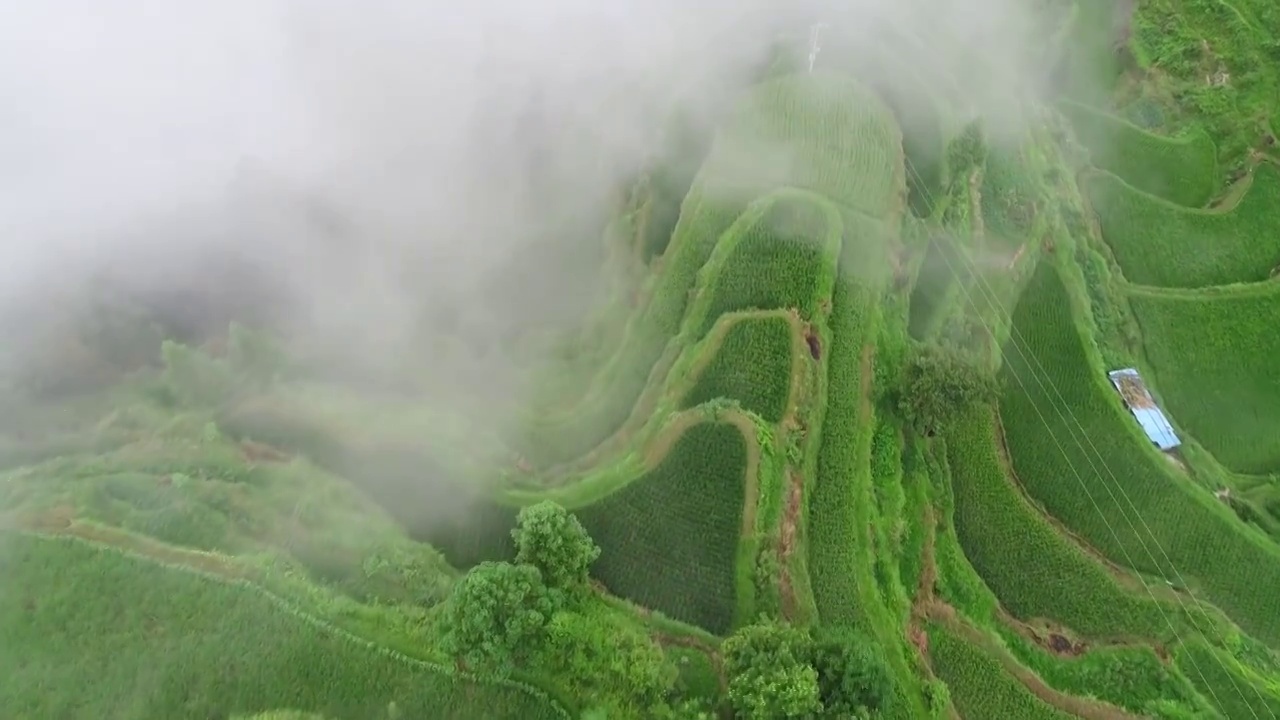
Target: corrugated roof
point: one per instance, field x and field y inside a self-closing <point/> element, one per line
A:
<point x="1144" y="409"/>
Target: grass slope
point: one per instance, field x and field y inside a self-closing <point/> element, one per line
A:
<point x="1160" y="244"/>
<point x="91" y="633"/>
<point x="1033" y="570"/>
<point x="1132" y="507"/>
<point x="1216" y="359"/>
<point x="1182" y="170"/>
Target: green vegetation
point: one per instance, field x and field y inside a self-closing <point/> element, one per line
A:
<point x="1224" y="391"/>
<point x="1112" y="487"/>
<point x="142" y="640"/>
<point x="980" y="687"/>
<point x="833" y="438"/>
<point x="1182" y="170"/>
<point x="1033" y="570"/>
<point x="1163" y="245"/>
<point x="678" y="558"/>
<point x="752" y="366"/>
<point x="783" y="260"/>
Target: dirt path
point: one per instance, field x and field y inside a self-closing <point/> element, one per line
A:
<point x="787" y="540"/>
<point x="61" y="521"/>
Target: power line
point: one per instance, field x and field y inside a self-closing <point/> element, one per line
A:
<point x="1016" y="339"/>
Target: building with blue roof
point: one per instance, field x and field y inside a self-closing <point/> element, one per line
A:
<point x="1139" y="401"/>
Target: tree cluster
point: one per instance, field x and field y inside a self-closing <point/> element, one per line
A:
<point x="780" y="672"/>
<point x="940" y="383"/>
<point x="539" y="614"/>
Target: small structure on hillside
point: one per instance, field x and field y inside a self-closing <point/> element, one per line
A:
<point x="1139" y="401"/>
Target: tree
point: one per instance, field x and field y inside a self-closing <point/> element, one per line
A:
<point x="552" y="539"/>
<point x="853" y="679"/>
<point x="939" y="384"/>
<point x="497" y="614"/>
<point x="770" y="677"/>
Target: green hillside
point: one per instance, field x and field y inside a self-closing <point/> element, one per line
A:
<point x="835" y="440"/>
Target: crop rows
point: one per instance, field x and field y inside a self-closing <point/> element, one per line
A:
<point x="1129" y="677"/>
<point x="1219" y="678"/>
<point x="614" y="392"/>
<point x="821" y="132"/>
<point x="91" y="632"/>
<point x="1216" y="359"/>
<point x="1182" y="170"/>
<point x="844" y="461"/>
<point x="780" y="262"/>
<point x="1164" y="245"/>
<point x="669" y="539"/>
<point x="751" y="365"/>
<point x="1143" y="509"/>
<point x="980" y="686"/>
<point x="1032" y="569"/>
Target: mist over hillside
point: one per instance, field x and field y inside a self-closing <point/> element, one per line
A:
<point x="361" y="173"/>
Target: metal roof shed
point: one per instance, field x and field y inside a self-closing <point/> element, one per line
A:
<point x="1144" y="409"/>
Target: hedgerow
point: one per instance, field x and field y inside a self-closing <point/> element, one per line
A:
<point x="1216" y="358"/>
<point x="669" y="539"/>
<point x="1132" y="506"/>
<point x="96" y="632"/>
<point x="752" y="365"/>
<point x="980" y="686"/>
<point x="1182" y="170"/>
<point x="1032" y="569"/>
<point x="785" y="259"/>
<point x="1160" y="244"/>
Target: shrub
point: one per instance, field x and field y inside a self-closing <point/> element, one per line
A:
<point x="938" y="385"/>
<point x="497" y="615"/>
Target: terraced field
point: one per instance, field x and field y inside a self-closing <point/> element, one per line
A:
<point x="839" y="443"/>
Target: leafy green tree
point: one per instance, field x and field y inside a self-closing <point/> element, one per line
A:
<point x="770" y="677"/>
<point x="498" y="614"/>
<point x="940" y="383"/>
<point x="552" y="539"/>
<point x="853" y="679"/>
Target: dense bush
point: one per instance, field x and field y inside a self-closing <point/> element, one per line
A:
<point x="497" y="616"/>
<point x="779" y="671"/>
<point x="938" y="385"/>
<point x="551" y="539"/>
